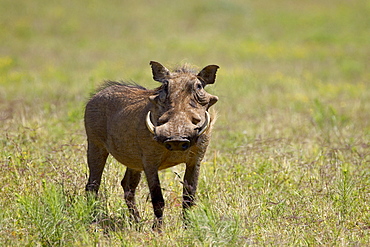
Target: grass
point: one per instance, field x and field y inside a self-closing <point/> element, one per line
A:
<point x="289" y="159"/>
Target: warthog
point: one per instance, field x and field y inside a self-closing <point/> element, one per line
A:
<point x="150" y="130"/>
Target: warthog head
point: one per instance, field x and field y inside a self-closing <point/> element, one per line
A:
<point x="179" y="113"/>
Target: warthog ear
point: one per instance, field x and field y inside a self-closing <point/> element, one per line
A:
<point x="160" y="73"/>
<point x="208" y="74"/>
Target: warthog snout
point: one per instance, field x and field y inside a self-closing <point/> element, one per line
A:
<point x="177" y="144"/>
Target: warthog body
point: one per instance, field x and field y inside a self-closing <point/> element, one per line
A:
<point x="150" y="130"/>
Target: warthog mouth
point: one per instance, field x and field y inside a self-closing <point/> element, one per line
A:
<point x="200" y="129"/>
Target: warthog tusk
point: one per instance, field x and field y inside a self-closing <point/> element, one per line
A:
<point x="205" y="125"/>
<point x="149" y="124"/>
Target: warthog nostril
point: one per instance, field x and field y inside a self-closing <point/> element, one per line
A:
<point x="185" y="145"/>
<point x="168" y="146"/>
<point x="177" y="145"/>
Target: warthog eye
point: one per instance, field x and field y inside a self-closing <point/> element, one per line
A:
<point x="163" y="93"/>
<point x="198" y="86"/>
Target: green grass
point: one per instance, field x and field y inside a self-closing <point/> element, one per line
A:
<point x="289" y="162"/>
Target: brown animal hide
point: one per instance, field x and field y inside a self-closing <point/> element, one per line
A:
<point x="150" y="130"/>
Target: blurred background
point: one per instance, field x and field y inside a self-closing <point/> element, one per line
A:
<point x="293" y="110"/>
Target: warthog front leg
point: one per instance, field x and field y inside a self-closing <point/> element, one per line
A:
<point x="129" y="184"/>
<point x="152" y="178"/>
<point x="96" y="158"/>
<point x="190" y="186"/>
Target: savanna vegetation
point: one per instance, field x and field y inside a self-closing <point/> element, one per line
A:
<point x="289" y="162"/>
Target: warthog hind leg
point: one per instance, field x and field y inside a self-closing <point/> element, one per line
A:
<point x="190" y="187"/>
<point x="151" y="173"/>
<point x="96" y="158"/>
<point x="129" y="184"/>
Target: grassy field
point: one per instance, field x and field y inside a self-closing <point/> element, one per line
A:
<point x="289" y="162"/>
